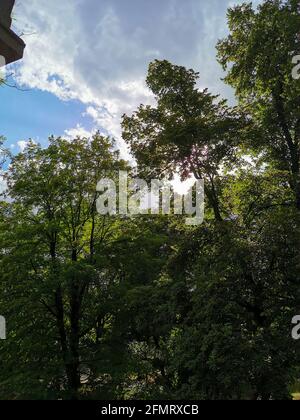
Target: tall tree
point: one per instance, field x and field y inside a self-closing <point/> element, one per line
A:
<point x="48" y="253"/>
<point x="258" y="56"/>
<point x="189" y="131"/>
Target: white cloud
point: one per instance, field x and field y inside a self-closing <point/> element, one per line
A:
<point x="3" y="184"/>
<point x="78" y="131"/>
<point x="97" y="51"/>
<point x="22" y="145"/>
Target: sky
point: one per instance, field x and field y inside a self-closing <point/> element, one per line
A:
<point x="86" y="61"/>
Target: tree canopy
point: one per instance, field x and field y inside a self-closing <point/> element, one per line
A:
<point x="144" y="306"/>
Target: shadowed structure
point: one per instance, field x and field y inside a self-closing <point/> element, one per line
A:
<point x="11" y="46"/>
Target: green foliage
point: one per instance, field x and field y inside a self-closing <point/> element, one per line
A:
<point x="258" y="58"/>
<point x="190" y="132"/>
<point x="112" y="307"/>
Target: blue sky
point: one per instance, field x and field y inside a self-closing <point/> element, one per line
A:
<point x="86" y="61"/>
<point x="37" y="114"/>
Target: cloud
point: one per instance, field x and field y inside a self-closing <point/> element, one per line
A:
<point x="22" y="145"/>
<point x="3" y="184"/>
<point x="78" y="131"/>
<point x="98" y="51"/>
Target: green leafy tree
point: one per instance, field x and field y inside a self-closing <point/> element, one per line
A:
<point x="48" y="255"/>
<point x="189" y="132"/>
<point x="258" y="55"/>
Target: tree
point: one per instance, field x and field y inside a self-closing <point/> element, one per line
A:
<point x="189" y="131"/>
<point x="48" y="253"/>
<point x="257" y="55"/>
<point x="70" y="278"/>
<point x="237" y="294"/>
<point x="234" y="337"/>
<point x="121" y="307"/>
